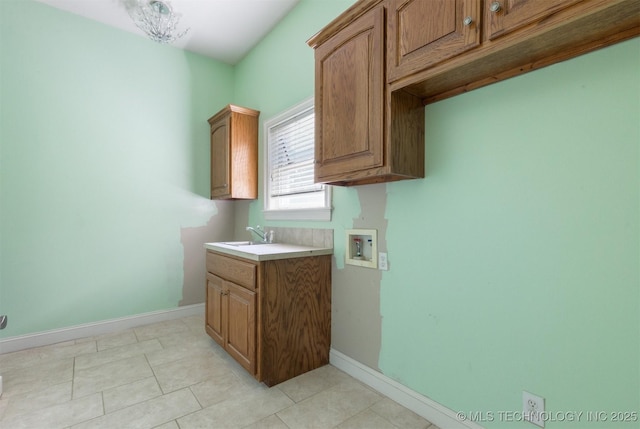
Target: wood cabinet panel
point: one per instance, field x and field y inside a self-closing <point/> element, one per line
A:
<point x="234" y="153"/>
<point x="504" y="16"/>
<point x="214" y="309"/>
<point x="349" y="98"/>
<point x="296" y="317"/>
<point x="281" y="326"/>
<point x="241" y="336"/>
<point x="357" y="135"/>
<point x="237" y="271"/>
<point x="422" y="33"/>
<point x="427" y="59"/>
<point x="220" y="159"/>
<point x="541" y="36"/>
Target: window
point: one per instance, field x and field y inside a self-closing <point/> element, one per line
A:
<point x="290" y="192"/>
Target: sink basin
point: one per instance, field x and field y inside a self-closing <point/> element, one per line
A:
<point x="245" y="243"/>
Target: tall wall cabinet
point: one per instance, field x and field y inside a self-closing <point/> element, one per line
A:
<point x="234" y="153"/>
<point x="381" y="61"/>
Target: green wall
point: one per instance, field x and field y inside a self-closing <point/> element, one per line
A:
<point x="104" y="164"/>
<point x="515" y="264"/>
<point x="516" y="261"/>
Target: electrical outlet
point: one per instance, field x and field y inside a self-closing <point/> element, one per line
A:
<point x="383" y="262"/>
<point x="533" y="408"/>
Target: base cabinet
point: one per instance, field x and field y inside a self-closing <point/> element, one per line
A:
<point x="230" y="310"/>
<point x="273" y="317"/>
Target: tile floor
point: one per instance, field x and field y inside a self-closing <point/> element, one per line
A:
<point x="171" y="375"/>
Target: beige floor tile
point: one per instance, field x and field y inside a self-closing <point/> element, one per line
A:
<point x="116" y="339"/>
<point x="330" y="407"/>
<point x="130" y="394"/>
<point x="110" y="375"/>
<point x="194" y="323"/>
<point x="189" y="371"/>
<point x="399" y="415"/>
<point x="227" y="386"/>
<point x="156" y="330"/>
<point x="148" y="414"/>
<point x="178" y="346"/>
<point x="312" y="382"/>
<point x="35" y="378"/>
<point x="3" y="407"/>
<point x="367" y="420"/>
<point x="113" y="354"/>
<point x="58" y="416"/>
<point x="118" y="380"/>
<point x="169" y="425"/>
<point x="271" y="422"/>
<point x="36" y="400"/>
<point x="185" y="339"/>
<point x="237" y="413"/>
<point x="46" y="354"/>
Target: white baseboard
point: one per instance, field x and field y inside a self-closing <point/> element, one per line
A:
<point x="54" y="336"/>
<point x="436" y="413"/>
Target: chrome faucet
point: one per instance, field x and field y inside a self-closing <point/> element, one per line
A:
<point x="260" y="233"/>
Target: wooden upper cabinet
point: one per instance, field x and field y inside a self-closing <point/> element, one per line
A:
<point x="381" y="61"/>
<point x="422" y="33"/>
<point x="234" y="153"/>
<point x="504" y="16"/>
<point x="350" y="98"/>
<point x="220" y="160"/>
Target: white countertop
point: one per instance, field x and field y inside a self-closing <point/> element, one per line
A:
<point x="267" y="252"/>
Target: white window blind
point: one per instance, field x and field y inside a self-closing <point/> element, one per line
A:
<point x="291" y="151"/>
<point x="289" y="172"/>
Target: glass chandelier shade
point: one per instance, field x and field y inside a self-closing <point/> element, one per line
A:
<point x="157" y="19"/>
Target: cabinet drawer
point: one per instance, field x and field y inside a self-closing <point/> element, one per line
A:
<point x="233" y="270"/>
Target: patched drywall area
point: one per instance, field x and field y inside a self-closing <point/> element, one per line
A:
<point x="218" y="228"/>
<point x="356" y="290"/>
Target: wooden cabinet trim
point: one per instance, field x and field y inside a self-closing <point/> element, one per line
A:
<point x="241" y="327"/>
<point x="540" y="36"/>
<point x="575" y="30"/>
<point x="453" y="37"/>
<point x="235" y="270"/>
<point x="513" y="17"/>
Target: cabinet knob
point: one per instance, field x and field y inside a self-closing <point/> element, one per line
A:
<point x="467" y="21"/>
<point x="495" y="6"/>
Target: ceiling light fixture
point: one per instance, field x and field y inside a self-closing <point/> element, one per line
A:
<point x="157" y="19"/>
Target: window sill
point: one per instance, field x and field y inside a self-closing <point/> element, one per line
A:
<point x="323" y="214"/>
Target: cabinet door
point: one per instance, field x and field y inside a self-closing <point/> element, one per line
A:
<point x="350" y="98"/>
<point x="422" y="33"/>
<point x="216" y="309"/>
<point x="220" y="158"/>
<point x="504" y="16"/>
<point x="241" y="329"/>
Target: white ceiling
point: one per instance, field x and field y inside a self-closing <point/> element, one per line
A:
<point x="222" y="29"/>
